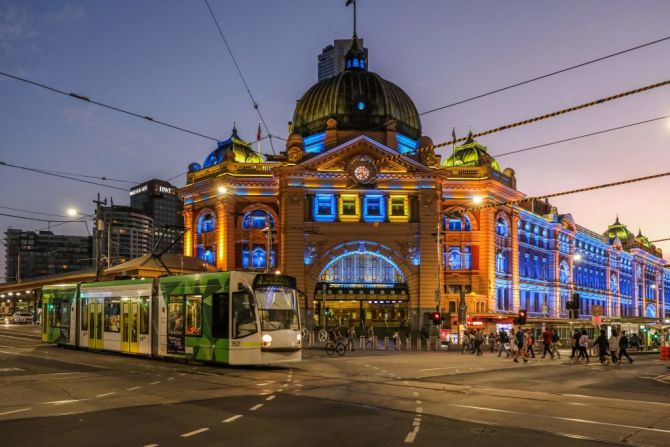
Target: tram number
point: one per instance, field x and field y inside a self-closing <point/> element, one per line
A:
<point x="235" y="344"/>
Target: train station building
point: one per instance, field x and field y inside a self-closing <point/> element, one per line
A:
<point x="353" y="210"/>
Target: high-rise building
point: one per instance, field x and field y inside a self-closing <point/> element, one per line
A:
<point x="38" y="253"/>
<point x="331" y="59"/>
<point x="127" y="233"/>
<point x="159" y="200"/>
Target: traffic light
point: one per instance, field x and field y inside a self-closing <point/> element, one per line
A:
<point x="436" y="318"/>
<point x="573" y="306"/>
<point x="522" y="316"/>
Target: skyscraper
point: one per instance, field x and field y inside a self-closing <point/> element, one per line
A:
<point x="127" y="233"/>
<point x="159" y="200"/>
<point x="331" y="59"/>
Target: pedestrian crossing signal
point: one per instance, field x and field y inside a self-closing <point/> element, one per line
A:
<point x="436" y="318"/>
<point x="522" y="317"/>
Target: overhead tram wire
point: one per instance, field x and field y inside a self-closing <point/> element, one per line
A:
<point x="44" y="172"/>
<point x="107" y="106"/>
<point x="36" y="219"/>
<point x="565" y="140"/>
<point x="544" y="76"/>
<point x="31" y="211"/>
<point x="569" y="192"/>
<point x="532" y="120"/>
<point x="239" y="71"/>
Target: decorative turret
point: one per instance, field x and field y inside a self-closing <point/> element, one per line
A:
<point x="617" y="230"/>
<point x="233" y="149"/>
<point x="471" y="153"/>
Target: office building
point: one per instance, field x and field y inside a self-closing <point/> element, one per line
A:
<point x="159" y="200"/>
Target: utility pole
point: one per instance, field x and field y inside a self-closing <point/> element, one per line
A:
<point x="268" y="246"/>
<point x="99" y="224"/>
<point x="18" y="266"/>
<point x="438" y="290"/>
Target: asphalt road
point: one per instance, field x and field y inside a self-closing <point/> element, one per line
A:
<point x="64" y="397"/>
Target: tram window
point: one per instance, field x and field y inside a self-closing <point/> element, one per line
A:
<point x="144" y="315"/>
<point x="84" y="316"/>
<point x="112" y="315"/>
<point x="220" y="302"/>
<point x="56" y="316"/>
<point x="176" y="315"/>
<point x="65" y="314"/>
<point x="194" y="315"/>
<point x="244" y="316"/>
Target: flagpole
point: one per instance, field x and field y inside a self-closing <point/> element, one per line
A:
<point x="453" y="145"/>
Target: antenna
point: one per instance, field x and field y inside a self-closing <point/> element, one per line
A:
<point x="349" y="2"/>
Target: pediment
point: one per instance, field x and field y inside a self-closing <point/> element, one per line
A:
<point x="337" y="158"/>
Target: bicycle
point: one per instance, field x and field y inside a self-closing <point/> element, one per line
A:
<point x="338" y="347"/>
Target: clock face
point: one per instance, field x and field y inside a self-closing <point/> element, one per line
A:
<point x="361" y="173"/>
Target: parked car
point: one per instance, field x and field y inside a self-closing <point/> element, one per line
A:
<point x="22" y="317"/>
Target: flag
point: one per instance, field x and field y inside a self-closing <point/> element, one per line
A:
<point x="453" y="135"/>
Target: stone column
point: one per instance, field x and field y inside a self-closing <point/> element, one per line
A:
<point x="514" y="261"/>
<point x="428" y="219"/>
<point x="555" y="273"/>
<point x="221" y="221"/>
<point x="189" y="231"/>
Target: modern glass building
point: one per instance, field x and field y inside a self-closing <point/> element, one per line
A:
<point x="159" y="200"/>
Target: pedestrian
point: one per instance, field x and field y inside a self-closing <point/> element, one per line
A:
<point x="34" y="317"/>
<point x="583" y="344"/>
<point x="395" y="340"/>
<point x="555" y="343"/>
<point x="479" y="341"/>
<point x="530" y="341"/>
<point x="371" y="337"/>
<point x="547" y="341"/>
<point x="466" y="342"/>
<point x="504" y="346"/>
<point x="492" y="342"/>
<point x="635" y="341"/>
<point x="351" y="336"/>
<point x="513" y="347"/>
<point x="603" y="344"/>
<point x="623" y="347"/>
<point x="521" y="341"/>
<point x="613" y="346"/>
<point x="575" y="343"/>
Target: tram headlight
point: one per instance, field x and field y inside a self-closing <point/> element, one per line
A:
<point x="267" y="340"/>
<point x="298" y="337"/>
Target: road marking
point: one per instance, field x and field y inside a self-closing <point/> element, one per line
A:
<point x="414" y="393"/>
<point x="582" y="421"/>
<point x="255" y="407"/>
<point x="14" y="411"/>
<point x="284" y="385"/>
<point x="170" y="378"/>
<point x="419" y="410"/>
<point x="105" y="394"/>
<point x="577" y="404"/>
<point x="263" y="384"/>
<point x="194" y="432"/>
<point x="151" y="445"/>
<point x="419" y="402"/>
<point x="436" y="369"/>
<point x="232" y="418"/>
<point x="411" y="435"/>
<point x="155" y="383"/>
<point x="133" y="388"/>
<point x="298" y="384"/>
<point x="61" y="402"/>
<point x="270" y="397"/>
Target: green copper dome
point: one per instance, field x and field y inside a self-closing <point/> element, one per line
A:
<point x="233" y="149"/>
<point x="357" y="99"/>
<point x="471" y="153"/>
<point x="643" y="240"/>
<point x="617" y="230"/>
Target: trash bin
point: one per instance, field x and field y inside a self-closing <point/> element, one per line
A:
<point x="665" y="352"/>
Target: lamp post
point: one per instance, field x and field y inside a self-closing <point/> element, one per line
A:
<point x="99" y="225"/>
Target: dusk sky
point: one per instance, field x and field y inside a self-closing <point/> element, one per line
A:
<point x="165" y="59"/>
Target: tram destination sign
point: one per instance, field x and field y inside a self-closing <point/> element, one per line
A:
<point x="271" y="279"/>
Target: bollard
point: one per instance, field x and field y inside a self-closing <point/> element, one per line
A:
<point x="361" y="343"/>
<point x="386" y="343"/>
<point x="398" y="345"/>
<point x="418" y="343"/>
<point x="311" y="339"/>
<point x="408" y="342"/>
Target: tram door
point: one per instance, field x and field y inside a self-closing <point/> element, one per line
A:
<point x="95" y="328"/>
<point x="130" y="326"/>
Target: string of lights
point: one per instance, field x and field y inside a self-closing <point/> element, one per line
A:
<point x="545" y="76"/>
<point x="239" y="71"/>
<point x="565" y="140"/>
<point x="569" y="192"/>
<point x="531" y="120"/>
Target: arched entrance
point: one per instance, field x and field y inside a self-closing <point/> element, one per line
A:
<point x="361" y="284"/>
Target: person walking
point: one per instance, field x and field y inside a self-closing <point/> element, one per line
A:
<point x="547" y="341"/>
<point x="371" y="337"/>
<point x="479" y="341"/>
<point x="613" y="346"/>
<point x="575" y="344"/>
<point x="466" y="342"/>
<point x="623" y="347"/>
<point x="351" y="336"/>
<point x="603" y="344"/>
<point x="513" y="347"/>
<point x="583" y="344"/>
<point x="555" y="343"/>
<point x="530" y="341"/>
<point x="504" y="339"/>
<point x="521" y="341"/>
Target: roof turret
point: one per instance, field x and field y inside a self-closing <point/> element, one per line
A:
<point x="471" y="153"/>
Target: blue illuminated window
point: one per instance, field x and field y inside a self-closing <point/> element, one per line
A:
<point x="324" y="208"/>
<point x="360" y="105"/>
<point x="206" y="223"/>
<point x="355" y="62"/>
<point x="257" y="258"/>
<point x="374" y="209"/>
<point x="362" y="63"/>
<point x="467" y="258"/>
<point x="206" y="254"/>
<point x="454" y="260"/>
<point x="257" y="219"/>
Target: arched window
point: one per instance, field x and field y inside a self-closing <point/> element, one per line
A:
<point x="502" y="228"/>
<point x="454" y="222"/>
<point x="527" y="228"/>
<point x="206" y="222"/>
<point x="362" y="267"/>
<point x="257" y="219"/>
<point x="257" y="258"/>
<point x="454" y="259"/>
<point x="207" y="254"/>
<point x="564" y="273"/>
<point x="501" y="265"/>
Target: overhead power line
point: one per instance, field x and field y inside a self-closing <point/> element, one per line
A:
<point x="107" y="106"/>
<point x="544" y="76"/>
<point x="38" y="219"/>
<point x="54" y="174"/>
<point x="570" y="192"/>
<point x="532" y="120"/>
<point x="239" y="71"/>
<point x="540" y="146"/>
<point x="660" y="240"/>
<point x="31" y="211"/>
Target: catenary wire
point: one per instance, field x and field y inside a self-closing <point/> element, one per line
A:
<point x="31" y="211"/>
<point x="540" y="146"/>
<point x="36" y="219"/>
<point x="40" y="171"/>
<point x="239" y="71"/>
<point x="532" y="120"/>
<point x="544" y="76"/>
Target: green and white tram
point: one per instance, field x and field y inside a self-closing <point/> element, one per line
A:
<point x="237" y="318"/>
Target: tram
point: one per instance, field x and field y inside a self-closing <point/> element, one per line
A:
<point x="236" y="318"/>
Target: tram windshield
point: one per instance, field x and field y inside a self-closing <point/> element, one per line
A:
<point x="277" y="308"/>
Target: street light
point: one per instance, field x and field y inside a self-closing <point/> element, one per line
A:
<point x="222" y="189"/>
<point x="477" y="200"/>
<point x="577" y="257"/>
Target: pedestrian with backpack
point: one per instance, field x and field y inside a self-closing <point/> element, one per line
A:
<point x="623" y="347"/>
